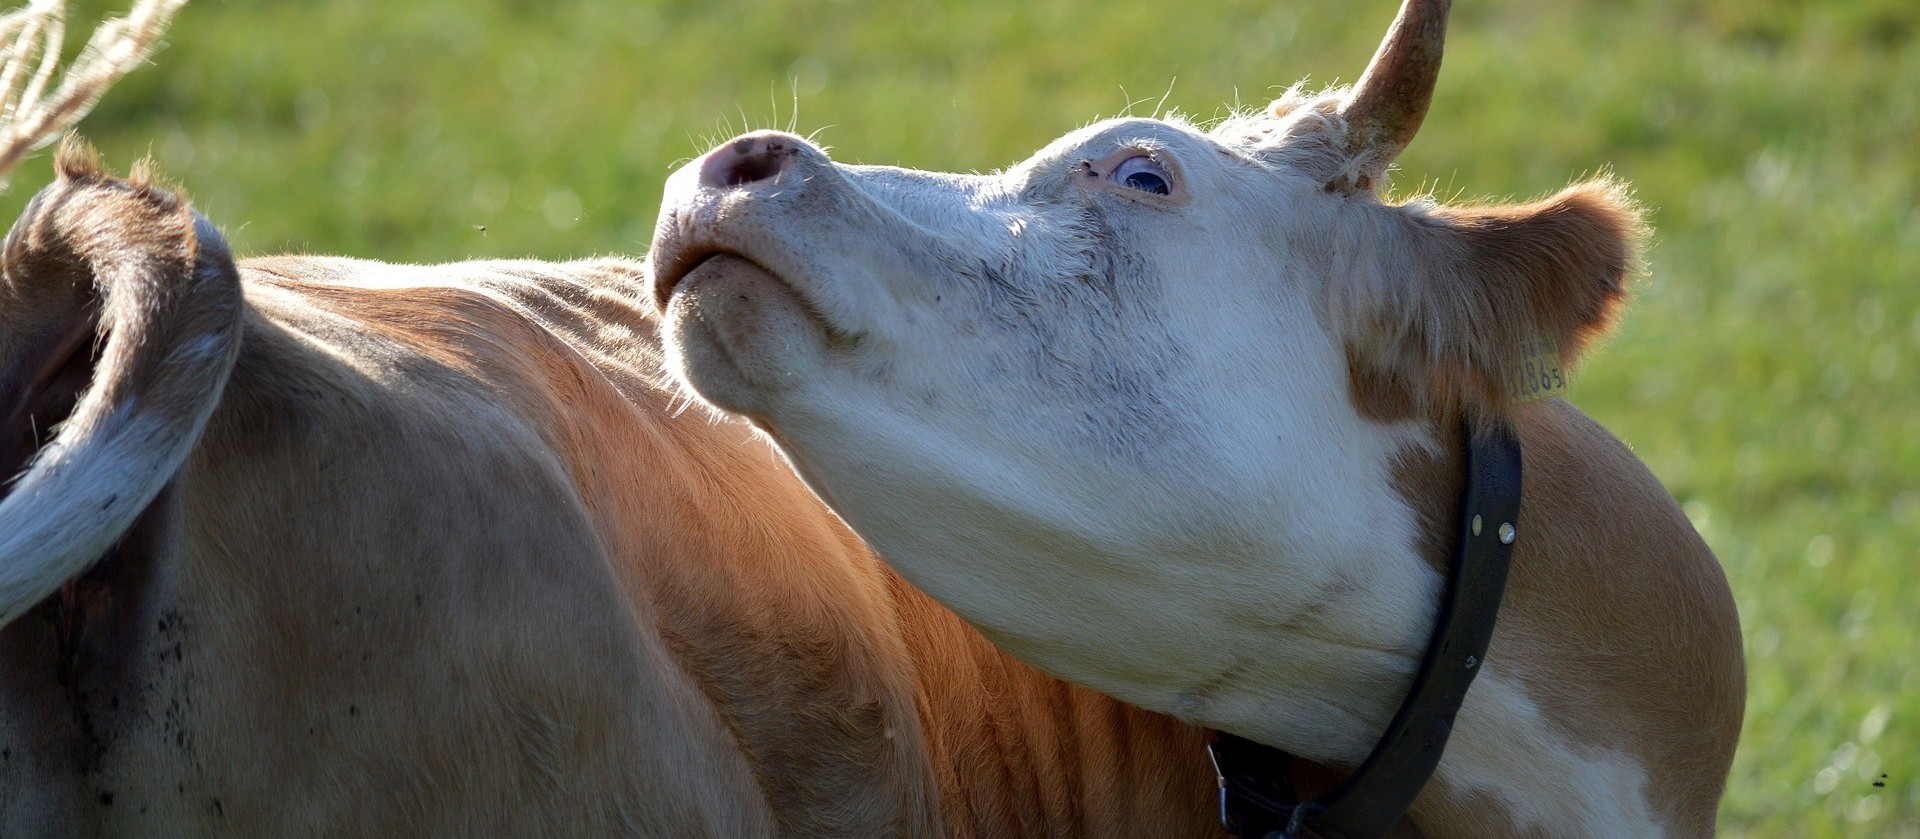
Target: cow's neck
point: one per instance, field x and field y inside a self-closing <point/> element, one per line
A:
<point x="1490" y="782"/>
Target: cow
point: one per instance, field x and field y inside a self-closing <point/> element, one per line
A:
<point x="307" y="546"/>
<point x="1178" y="413"/>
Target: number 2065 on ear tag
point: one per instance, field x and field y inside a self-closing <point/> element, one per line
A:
<point x="1539" y="375"/>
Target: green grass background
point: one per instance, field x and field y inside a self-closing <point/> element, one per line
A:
<point x="1767" y="372"/>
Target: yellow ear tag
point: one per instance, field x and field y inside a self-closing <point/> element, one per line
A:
<point x="1539" y="375"/>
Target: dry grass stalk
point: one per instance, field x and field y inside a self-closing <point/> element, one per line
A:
<point x="30" y="42"/>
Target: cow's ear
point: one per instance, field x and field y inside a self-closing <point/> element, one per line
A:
<point x="1477" y="308"/>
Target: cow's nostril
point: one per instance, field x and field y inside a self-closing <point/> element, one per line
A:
<point x="756" y="168"/>
<point x="744" y="161"/>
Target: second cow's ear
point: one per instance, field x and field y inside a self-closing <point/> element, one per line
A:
<point x="1459" y="313"/>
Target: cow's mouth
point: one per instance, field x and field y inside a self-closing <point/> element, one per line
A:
<point x="673" y="268"/>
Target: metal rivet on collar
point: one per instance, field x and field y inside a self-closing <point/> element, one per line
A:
<point x="1506" y="534"/>
<point x="1472" y="662"/>
<point x="1476" y="525"/>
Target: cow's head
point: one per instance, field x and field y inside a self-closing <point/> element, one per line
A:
<point x="1133" y="405"/>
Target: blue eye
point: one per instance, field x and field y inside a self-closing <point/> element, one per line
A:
<point x="1145" y="174"/>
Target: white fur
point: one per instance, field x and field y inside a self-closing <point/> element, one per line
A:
<point x="1112" y="431"/>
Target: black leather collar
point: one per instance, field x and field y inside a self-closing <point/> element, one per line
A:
<point x="1256" y="795"/>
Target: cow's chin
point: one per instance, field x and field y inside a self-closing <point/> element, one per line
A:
<point x="740" y="336"/>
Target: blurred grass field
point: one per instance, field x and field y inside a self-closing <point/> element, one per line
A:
<point x="1767" y="373"/>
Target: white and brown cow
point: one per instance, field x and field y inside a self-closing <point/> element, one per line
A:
<point x="329" y="547"/>
<point x="1176" y="414"/>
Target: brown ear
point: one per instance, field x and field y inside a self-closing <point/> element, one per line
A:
<point x="1453" y="320"/>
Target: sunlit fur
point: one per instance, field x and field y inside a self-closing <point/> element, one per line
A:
<point x="1157" y="445"/>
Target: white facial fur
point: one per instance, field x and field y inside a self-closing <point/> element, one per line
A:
<point x="1111" y="429"/>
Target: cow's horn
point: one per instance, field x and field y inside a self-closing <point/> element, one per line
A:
<point x="1384" y="110"/>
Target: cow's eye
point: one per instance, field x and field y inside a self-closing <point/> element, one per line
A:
<point x="1145" y="174"/>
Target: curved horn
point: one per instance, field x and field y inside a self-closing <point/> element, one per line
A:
<point x="1384" y="110"/>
